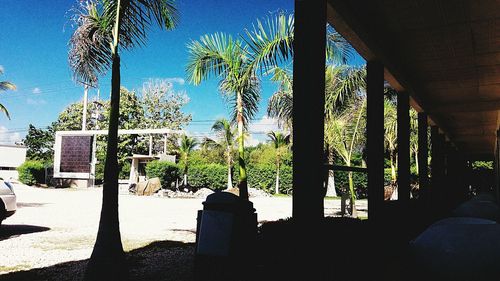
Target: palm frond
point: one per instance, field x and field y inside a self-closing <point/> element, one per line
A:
<point x="212" y="56"/>
<point x="225" y="131"/>
<point x="90" y="45"/>
<point x="342" y="83"/>
<point x="4" y="86"/>
<point x="338" y="50"/>
<point x="4" y="110"/>
<point x="271" y="41"/>
<point x="208" y="143"/>
<point x="250" y="97"/>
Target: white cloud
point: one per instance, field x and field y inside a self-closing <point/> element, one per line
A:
<point x="177" y="80"/>
<point x="36" y="90"/>
<point x="264" y="125"/>
<point x="253" y="141"/>
<point x="259" y="128"/>
<point x="1" y="68"/>
<point x="7" y="137"/>
<point x="31" y="101"/>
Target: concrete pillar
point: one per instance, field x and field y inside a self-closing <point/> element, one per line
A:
<point x="308" y="104"/>
<point x="403" y="111"/>
<point x="375" y="137"/>
<point x="423" y="154"/>
<point x="437" y="169"/>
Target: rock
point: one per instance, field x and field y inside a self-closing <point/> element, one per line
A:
<point x="203" y="193"/>
<point x="253" y="192"/>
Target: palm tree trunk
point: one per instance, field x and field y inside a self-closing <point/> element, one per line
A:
<point x="277" y="188"/>
<point x="352" y="203"/>
<point x="242" y="185"/>
<point x="229" y="179"/>
<point x="186" y="171"/>
<point x="416" y="161"/>
<point x="108" y="259"/>
<point x="393" y="168"/>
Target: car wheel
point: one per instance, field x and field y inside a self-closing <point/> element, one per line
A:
<point x="2" y="211"/>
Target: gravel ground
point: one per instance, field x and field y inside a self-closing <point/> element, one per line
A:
<point x="53" y="226"/>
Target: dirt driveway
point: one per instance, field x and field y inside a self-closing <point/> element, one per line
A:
<point x="52" y="226"/>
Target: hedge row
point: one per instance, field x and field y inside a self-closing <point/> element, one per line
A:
<point x="168" y="172"/>
<point x="214" y="176"/>
<point x="31" y="172"/>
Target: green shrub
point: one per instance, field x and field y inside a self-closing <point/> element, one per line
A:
<point x="31" y="172"/>
<point x="359" y="179"/>
<point x="213" y="176"/>
<point x="264" y="177"/>
<point x="168" y="172"/>
<point x="124" y="170"/>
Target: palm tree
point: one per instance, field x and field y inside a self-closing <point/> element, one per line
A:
<point x="271" y="44"/>
<point x="186" y="146"/>
<point x="414" y="135"/>
<point x="281" y="102"/>
<point x="280" y="142"/>
<point x="227" y="59"/>
<point x="343" y="136"/>
<point x="102" y="28"/>
<point x="226" y="138"/>
<point x="5" y="86"/>
<point x="391" y="135"/>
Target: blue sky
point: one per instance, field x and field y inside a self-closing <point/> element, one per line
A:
<point x="33" y="54"/>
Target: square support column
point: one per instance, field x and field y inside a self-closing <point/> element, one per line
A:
<point x="423" y="155"/>
<point x="375" y="138"/>
<point x="403" y="111"/>
<point x="437" y="168"/>
<point x="308" y="110"/>
<point x="497" y="166"/>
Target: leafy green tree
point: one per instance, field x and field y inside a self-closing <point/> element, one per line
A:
<point x="280" y="142"/>
<point x="185" y="149"/>
<point x="162" y="105"/>
<point x="102" y="28"/>
<point x="262" y="154"/>
<point x="226" y="137"/>
<point x="40" y="144"/>
<point x="220" y="56"/>
<point x="5" y="86"/>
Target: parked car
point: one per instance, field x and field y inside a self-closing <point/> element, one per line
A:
<point x="8" y="202"/>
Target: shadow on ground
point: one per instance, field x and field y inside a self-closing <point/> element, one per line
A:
<point x="160" y="260"/>
<point x="8" y="231"/>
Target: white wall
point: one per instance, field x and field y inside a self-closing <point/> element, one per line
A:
<point x="11" y="157"/>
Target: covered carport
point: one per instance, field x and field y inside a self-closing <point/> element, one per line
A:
<point x="443" y="58"/>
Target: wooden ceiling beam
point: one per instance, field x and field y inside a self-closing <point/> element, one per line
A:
<point x="477" y="106"/>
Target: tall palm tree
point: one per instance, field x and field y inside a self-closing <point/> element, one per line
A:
<point x="5" y="86"/>
<point x="414" y="135"/>
<point x="271" y="44"/>
<point x="186" y="146"/>
<point x="220" y="56"/>
<point x="226" y="135"/>
<point x="281" y="102"/>
<point x="280" y="142"/>
<point x="343" y="135"/>
<point x="103" y="26"/>
<point x="391" y="135"/>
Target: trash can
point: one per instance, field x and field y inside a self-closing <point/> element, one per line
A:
<point x="225" y="238"/>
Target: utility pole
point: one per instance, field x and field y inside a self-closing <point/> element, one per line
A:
<point x="85" y="97"/>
